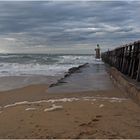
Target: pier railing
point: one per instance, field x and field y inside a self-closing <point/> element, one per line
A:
<point x="126" y="59"/>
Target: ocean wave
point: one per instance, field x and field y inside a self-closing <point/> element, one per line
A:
<point x="76" y="59"/>
<point x="16" y="69"/>
<point x="36" y="64"/>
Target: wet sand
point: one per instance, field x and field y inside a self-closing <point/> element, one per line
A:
<point x="33" y="112"/>
<point x="14" y="82"/>
<point x="29" y="93"/>
<point x="87" y="116"/>
<point x="93" y="114"/>
<point x="92" y="77"/>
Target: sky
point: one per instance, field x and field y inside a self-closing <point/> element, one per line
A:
<point x="67" y="26"/>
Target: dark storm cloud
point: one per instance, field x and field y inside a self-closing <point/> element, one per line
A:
<point x="68" y="24"/>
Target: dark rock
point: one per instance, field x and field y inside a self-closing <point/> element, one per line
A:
<point x="70" y="71"/>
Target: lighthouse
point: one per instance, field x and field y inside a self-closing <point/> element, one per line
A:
<point x="98" y="55"/>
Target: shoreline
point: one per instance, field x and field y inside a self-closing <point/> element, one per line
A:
<point x="34" y="92"/>
<point x="37" y="113"/>
<point x="22" y="81"/>
<point x="68" y="74"/>
<point x="30" y="93"/>
<point x="8" y="83"/>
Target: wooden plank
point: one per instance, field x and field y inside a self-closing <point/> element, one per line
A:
<point x="131" y="61"/>
<point x="124" y="59"/>
<point x="133" y="69"/>
<point x="134" y="61"/>
<point x="138" y="71"/>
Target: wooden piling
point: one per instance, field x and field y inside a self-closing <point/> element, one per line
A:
<point x="126" y="59"/>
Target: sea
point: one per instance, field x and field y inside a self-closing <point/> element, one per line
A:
<point x="41" y="64"/>
<point x="20" y="70"/>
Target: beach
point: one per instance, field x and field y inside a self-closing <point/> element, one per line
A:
<point x="40" y="111"/>
<point x="82" y="115"/>
<point x="69" y="69"/>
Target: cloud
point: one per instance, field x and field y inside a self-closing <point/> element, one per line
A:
<point x="10" y="39"/>
<point x="61" y="25"/>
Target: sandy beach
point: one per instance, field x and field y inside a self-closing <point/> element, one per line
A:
<point x="36" y="112"/>
<point x="103" y="115"/>
<point x="69" y="69"/>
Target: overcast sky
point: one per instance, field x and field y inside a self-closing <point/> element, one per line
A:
<point x="67" y="27"/>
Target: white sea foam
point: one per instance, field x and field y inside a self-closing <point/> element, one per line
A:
<point x="17" y="103"/>
<point x="15" y="69"/>
<point x="112" y="99"/>
<point x="63" y="100"/>
<point x="105" y="98"/>
<point x="16" y="65"/>
<point x="54" y="107"/>
<point x="101" y="105"/>
<point x="30" y="109"/>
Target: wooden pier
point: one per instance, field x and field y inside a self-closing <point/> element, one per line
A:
<point x="126" y="59"/>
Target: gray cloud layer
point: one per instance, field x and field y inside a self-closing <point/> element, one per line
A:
<point x="71" y="27"/>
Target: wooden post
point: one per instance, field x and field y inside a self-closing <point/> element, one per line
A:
<point x="129" y="58"/>
<point x="124" y="59"/>
<point x="138" y="71"/>
<point x="134" y="67"/>
<point x="131" y="61"/>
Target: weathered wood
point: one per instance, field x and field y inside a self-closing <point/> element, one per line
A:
<point x="129" y="58"/>
<point x="133" y="68"/>
<point x="138" y="72"/>
<point x="135" y="62"/>
<point x="130" y="67"/>
<point x="126" y="59"/>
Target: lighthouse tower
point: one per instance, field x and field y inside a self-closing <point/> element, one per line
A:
<point x="98" y="55"/>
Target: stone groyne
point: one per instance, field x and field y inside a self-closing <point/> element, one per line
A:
<point x="67" y="74"/>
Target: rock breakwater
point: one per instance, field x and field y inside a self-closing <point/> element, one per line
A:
<point x="67" y="74"/>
